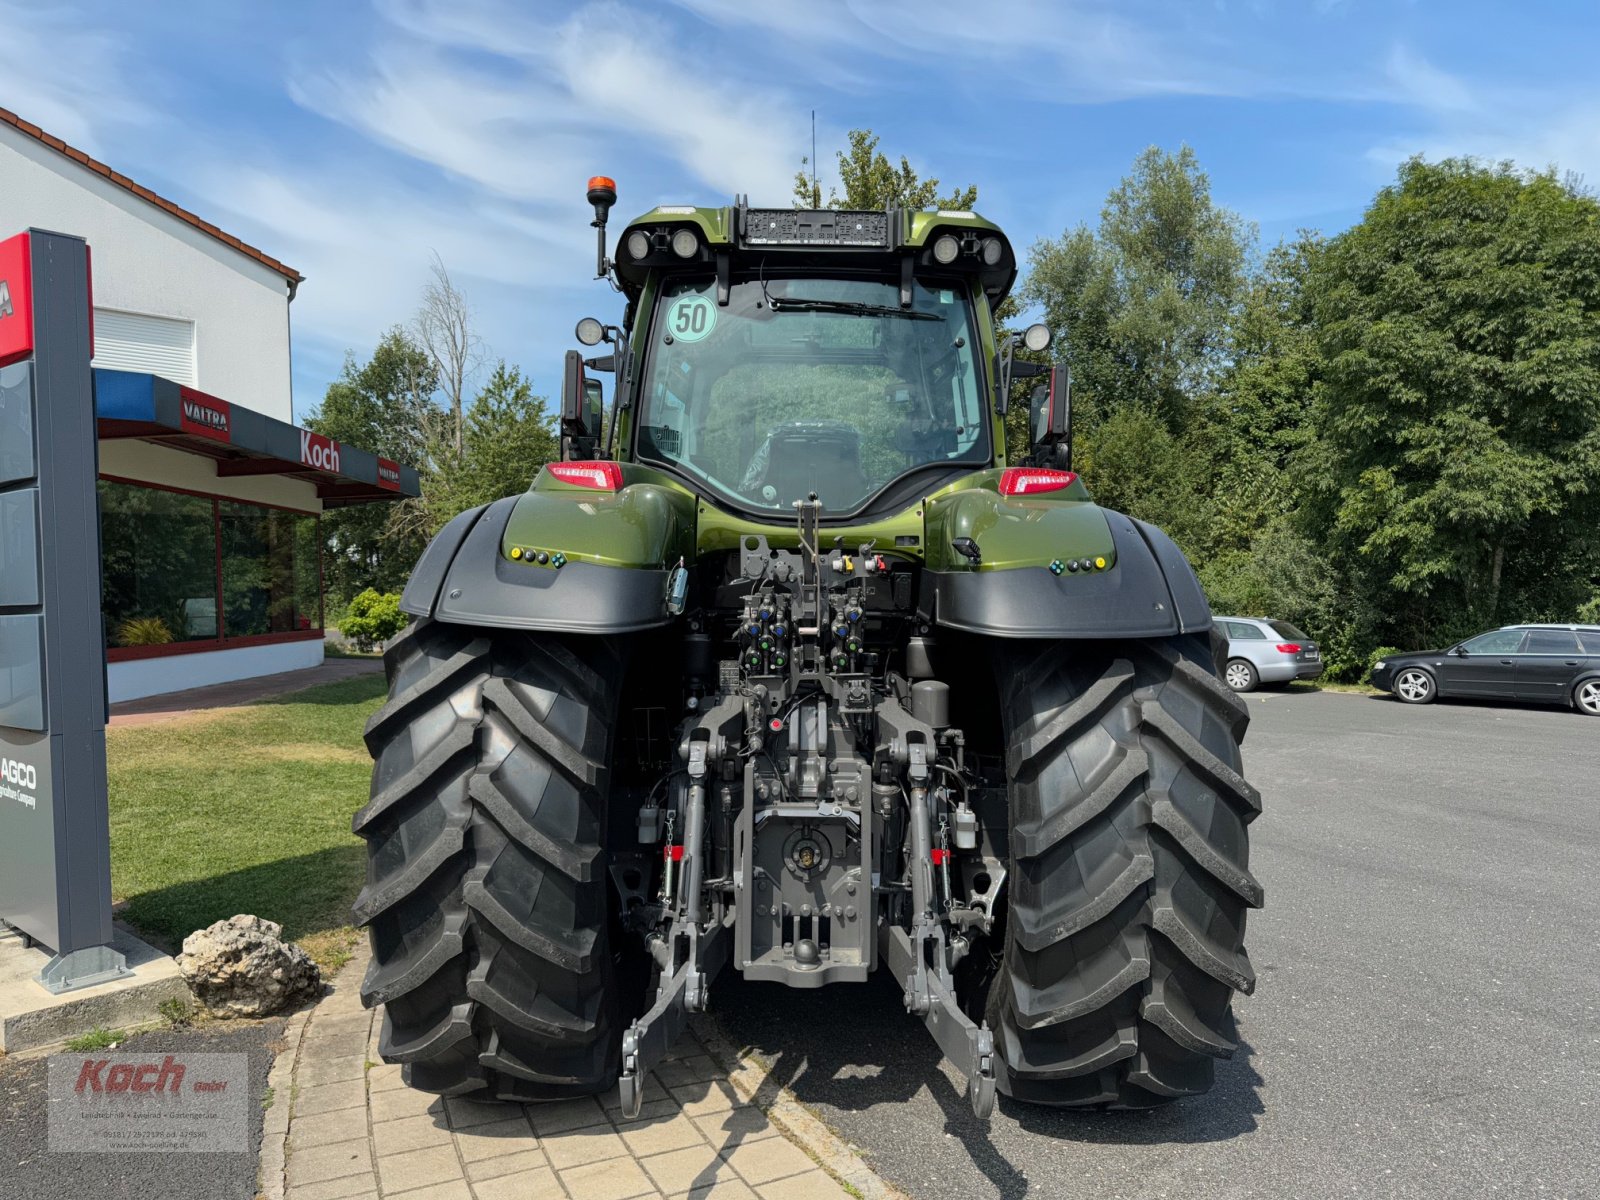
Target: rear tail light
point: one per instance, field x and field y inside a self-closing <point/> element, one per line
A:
<point x="1027" y="481"/>
<point x="601" y="476"/>
<point x="1289" y="648"/>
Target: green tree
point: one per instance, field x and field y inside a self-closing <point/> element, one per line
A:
<point x="1142" y="306"/>
<point x="381" y="406"/>
<point x="871" y="181"/>
<point x="1455" y="467"/>
<point x="508" y="433"/>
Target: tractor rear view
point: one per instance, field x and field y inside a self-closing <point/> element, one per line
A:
<point x="784" y="669"/>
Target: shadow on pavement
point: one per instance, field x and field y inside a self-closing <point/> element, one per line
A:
<point x="855" y="1048"/>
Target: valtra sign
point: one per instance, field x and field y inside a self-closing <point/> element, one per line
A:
<point x="319" y="452"/>
<point x="205" y="415"/>
<point x="389" y="474"/>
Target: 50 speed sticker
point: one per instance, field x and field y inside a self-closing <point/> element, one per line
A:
<point x="691" y="318"/>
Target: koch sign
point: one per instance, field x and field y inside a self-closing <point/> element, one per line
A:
<point x="319" y="452"/>
<point x="55" y="861"/>
<point x="155" y="1103"/>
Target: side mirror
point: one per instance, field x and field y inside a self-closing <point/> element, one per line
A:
<point x="1051" y="420"/>
<point x="581" y="409"/>
<point x="1459" y="652"/>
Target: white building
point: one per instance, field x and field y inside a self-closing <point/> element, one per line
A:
<point x="210" y="497"/>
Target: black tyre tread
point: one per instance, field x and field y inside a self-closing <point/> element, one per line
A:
<point x="1130" y="873"/>
<point x="486" y="897"/>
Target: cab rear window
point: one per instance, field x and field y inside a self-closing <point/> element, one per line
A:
<point x="1284" y="629"/>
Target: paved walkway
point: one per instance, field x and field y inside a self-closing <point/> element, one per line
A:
<point x="345" y="1127"/>
<point x="172" y="705"/>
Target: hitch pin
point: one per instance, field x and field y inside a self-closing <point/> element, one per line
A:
<point x="942" y="857"/>
<point x="668" y="895"/>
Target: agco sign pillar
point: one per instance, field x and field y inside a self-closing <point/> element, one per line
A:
<point x="55" y="852"/>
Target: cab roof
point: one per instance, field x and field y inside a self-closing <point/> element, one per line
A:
<point x="735" y="236"/>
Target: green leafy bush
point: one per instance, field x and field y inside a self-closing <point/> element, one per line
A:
<point x="143" y="631"/>
<point x="373" y="618"/>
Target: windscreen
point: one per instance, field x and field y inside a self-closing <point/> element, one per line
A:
<point x="810" y="385"/>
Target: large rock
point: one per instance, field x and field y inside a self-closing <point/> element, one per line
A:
<point x="242" y="967"/>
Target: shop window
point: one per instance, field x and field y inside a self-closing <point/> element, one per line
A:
<point x="270" y="580"/>
<point x="181" y="570"/>
<point x="158" y="567"/>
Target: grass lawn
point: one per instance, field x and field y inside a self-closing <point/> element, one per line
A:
<point x="245" y="811"/>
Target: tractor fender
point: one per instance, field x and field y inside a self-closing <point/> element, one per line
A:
<point x="463" y="578"/>
<point x="1151" y="592"/>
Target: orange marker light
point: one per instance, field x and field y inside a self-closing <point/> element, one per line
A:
<point x="603" y="181"/>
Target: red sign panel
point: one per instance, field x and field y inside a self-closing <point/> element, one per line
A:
<point x="388" y="475"/>
<point x="16" y="300"/>
<point x="205" y="415"/>
<point x="319" y="452"/>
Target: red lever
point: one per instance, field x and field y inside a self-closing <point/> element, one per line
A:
<point x="673" y="853"/>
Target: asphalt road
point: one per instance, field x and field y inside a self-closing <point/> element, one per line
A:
<point x="29" y="1171"/>
<point x="1427" y="1015"/>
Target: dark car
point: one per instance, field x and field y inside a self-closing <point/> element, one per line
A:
<point x="1535" y="664"/>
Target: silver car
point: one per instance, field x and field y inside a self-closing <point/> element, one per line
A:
<point x="1263" y="651"/>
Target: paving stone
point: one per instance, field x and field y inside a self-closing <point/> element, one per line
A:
<point x="384" y="1078"/>
<point x="505" y="1164"/>
<point x="410" y="1133"/>
<point x="652" y="1110"/>
<point x="683" y="1170"/>
<point x="653" y="1091"/>
<point x="318" y="1071"/>
<point x="464" y="1114"/>
<point x="579" y="1146"/>
<point x="418" y="1168"/>
<point x="815" y="1185"/>
<point x="502" y="1137"/>
<point x="404" y="1102"/>
<point x="530" y="1185"/>
<point x="320" y="1163"/>
<point x="325" y="1023"/>
<point x="686" y="1046"/>
<point x="724" y="1189"/>
<point x="696" y="1069"/>
<point x="351" y="1187"/>
<point x="745" y="1124"/>
<point x="703" y="1099"/>
<point x="762" y="1161"/>
<point x="309" y="1101"/>
<point x="616" y="1179"/>
<point x="322" y="1129"/>
<point x="454" y="1190"/>
<point x="676" y="1132"/>
<point x="564" y="1115"/>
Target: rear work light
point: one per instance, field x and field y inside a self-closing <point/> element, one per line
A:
<point x="1027" y="481"/>
<point x="1289" y="648"/>
<point x="601" y="476"/>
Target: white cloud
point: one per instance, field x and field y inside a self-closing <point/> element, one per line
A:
<point x="66" y="76"/>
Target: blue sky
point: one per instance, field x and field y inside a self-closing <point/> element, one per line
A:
<point x="353" y="140"/>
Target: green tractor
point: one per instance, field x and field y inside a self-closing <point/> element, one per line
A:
<point x="785" y="668"/>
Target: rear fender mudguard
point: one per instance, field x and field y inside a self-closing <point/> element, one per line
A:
<point x="464" y="578"/>
<point x="1151" y="591"/>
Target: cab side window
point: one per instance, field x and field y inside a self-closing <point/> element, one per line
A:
<point x="1248" y="633"/>
<point x="1591" y="642"/>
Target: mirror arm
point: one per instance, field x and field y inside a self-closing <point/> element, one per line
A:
<point x="1002" y="370"/>
<point x="724" y="279"/>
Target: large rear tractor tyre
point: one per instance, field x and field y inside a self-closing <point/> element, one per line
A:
<point x="486" y="897"/>
<point x="1129" y="876"/>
